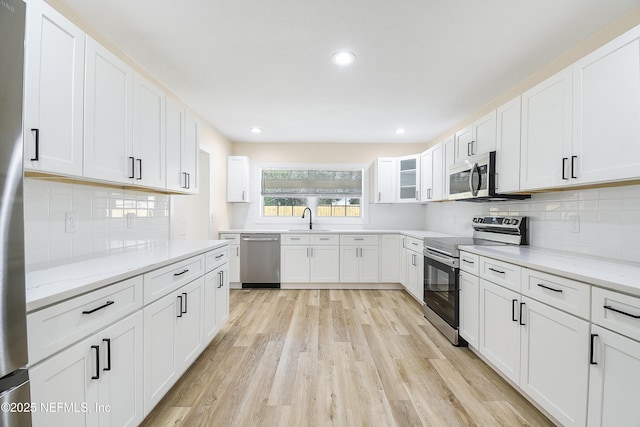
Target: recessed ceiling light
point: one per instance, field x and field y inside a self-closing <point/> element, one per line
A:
<point x="400" y="131"/>
<point x="256" y="130"/>
<point x="343" y="58"/>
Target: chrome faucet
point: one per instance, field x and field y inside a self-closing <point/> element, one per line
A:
<point x="304" y="212"/>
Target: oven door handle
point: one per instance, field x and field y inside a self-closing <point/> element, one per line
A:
<point x="449" y="262"/>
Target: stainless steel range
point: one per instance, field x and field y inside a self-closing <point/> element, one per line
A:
<point x="442" y="267"/>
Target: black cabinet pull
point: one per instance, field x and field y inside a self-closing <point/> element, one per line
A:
<point x="573" y="165"/>
<point x="564" y="167"/>
<point x="133" y="167"/>
<point x="37" y="156"/>
<point x="521" y="323"/>
<point x="139" y="168"/>
<point x="180" y="311"/>
<point x="593" y="338"/>
<point x="108" y="341"/>
<point x="550" y="288"/>
<point x="219" y="256"/>
<point x="181" y="273"/>
<point x="467" y="261"/>
<point x="496" y="271"/>
<point x="106" y="304"/>
<point x="97" y="375"/>
<point x="633" y="316"/>
<point x="185" y="302"/>
<point x="513" y="310"/>
<point x="222" y="278"/>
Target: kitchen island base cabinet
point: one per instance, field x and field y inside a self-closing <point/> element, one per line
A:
<point x="102" y="373"/>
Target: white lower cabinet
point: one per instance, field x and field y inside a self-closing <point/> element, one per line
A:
<point x="359" y="264"/>
<point x="614" y="376"/>
<point x="390" y="248"/>
<point x="415" y="274"/>
<point x="306" y="258"/>
<point x="216" y="301"/>
<point x="469" y="304"/>
<point x="99" y="379"/>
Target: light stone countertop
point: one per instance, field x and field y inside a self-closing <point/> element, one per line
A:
<point x="605" y="273"/>
<point x="52" y="285"/>
<point x="418" y="234"/>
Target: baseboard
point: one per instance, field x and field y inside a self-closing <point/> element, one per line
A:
<point x="360" y="286"/>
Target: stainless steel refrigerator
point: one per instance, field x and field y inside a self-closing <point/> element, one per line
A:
<point x="14" y="378"/>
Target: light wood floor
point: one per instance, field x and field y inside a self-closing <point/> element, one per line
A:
<point x="344" y="358"/>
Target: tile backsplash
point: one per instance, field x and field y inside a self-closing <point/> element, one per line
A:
<point x="69" y="222"/>
<point x="608" y="220"/>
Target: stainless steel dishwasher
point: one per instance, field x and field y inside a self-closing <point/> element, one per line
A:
<point x="260" y="260"/>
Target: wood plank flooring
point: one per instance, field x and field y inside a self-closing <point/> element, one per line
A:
<point x="337" y="357"/>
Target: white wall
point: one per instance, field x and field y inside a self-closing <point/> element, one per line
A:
<point x="609" y="220"/>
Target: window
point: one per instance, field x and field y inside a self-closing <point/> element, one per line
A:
<point x="328" y="192"/>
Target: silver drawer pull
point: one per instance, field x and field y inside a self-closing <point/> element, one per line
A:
<point x="358" y="238"/>
<point x="324" y="238"/>
<point x="181" y="273"/>
<point x="633" y="316"/>
<point x="294" y="238"/>
<point x="229" y="238"/>
<point x="107" y="304"/>
<point x="550" y="288"/>
<point x="496" y="271"/>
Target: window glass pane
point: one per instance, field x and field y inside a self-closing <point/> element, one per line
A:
<point x="346" y="207"/>
<point x="283" y="206"/>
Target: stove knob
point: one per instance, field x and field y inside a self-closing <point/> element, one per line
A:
<point x="507" y="221"/>
<point x="514" y="222"/>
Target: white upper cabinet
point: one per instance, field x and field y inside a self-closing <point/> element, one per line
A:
<point x="449" y="158"/>
<point x="478" y="138"/>
<point x="606" y="100"/>
<point x="182" y="132"/>
<point x="546" y="133"/>
<point x="408" y="182"/>
<point x="148" y="133"/>
<point x="383" y="180"/>
<point x="237" y="179"/>
<point x="54" y="77"/>
<point x="508" y="146"/>
<point x="432" y="174"/>
<point x="190" y="152"/>
<point x="108" y="136"/>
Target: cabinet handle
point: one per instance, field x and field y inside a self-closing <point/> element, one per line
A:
<point x="467" y="261"/>
<point x="307" y="252"/>
<point x="219" y="256"/>
<point x="573" y="166"/>
<point x="564" y="167"/>
<point x="106" y="304"/>
<point x="238" y="251"/>
<point x="180" y="311"/>
<point x="185" y="302"/>
<point x="139" y="168"/>
<point x="243" y="195"/>
<point x="468" y="148"/>
<point x="496" y="271"/>
<point x="188" y="180"/>
<point x="220" y="277"/>
<point x="358" y="238"/>
<point x="181" y="273"/>
<point x="521" y="322"/>
<point x="593" y="338"/>
<point x="513" y="310"/>
<point x="417" y="194"/>
<point x="549" y="288"/>
<point x="185" y="180"/>
<point x="37" y="156"/>
<point x="379" y="196"/>
<point x="633" y="316"/>
<point x="133" y="167"/>
<point x="97" y="375"/>
<point x="324" y="238"/>
<point x="108" y="341"/>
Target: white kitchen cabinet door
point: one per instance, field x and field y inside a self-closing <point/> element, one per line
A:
<point x="324" y="264"/>
<point x="555" y="371"/>
<point x="369" y="264"/>
<point x="415" y="275"/>
<point x="426" y="175"/>
<point x="449" y="158"/>
<point x="189" y="340"/>
<point x="108" y="149"/>
<point x="121" y="376"/>
<point x="613" y="380"/>
<point x="294" y="264"/>
<point x="546" y="133"/>
<point x="499" y="333"/>
<point x="149" y="148"/>
<point x="234" y="263"/>
<point x="237" y="179"/>
<point x="190" y="153"/>
<point x="390" y="247"/>
<point x="508" y="146"/>
<point x="606" y="99"/>
<point x="67" y="377"/>
<point x="403" y="261"/>
<point x="212" y="281"/>
<point x="222" y="297"/>
<point x="408" y="179"/>
<point x="484" y="134"/>
<point x="349" y="264"/>
<point x="431" y="173"/>
<point x="54" y="83"/>
<point x="463" y="144"/>
<point x="469" y="306"/>
<point x="174" y="139"/>
<point x="383" y="179"/>
<point x="160" y="367"/>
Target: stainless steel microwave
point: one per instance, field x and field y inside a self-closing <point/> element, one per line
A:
<point x="474" y="180"/>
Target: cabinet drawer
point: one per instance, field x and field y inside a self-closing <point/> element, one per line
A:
<point x="295" y="239"/>
<point x="234" y="239"/>
<point x="501" y="273"/>
<point x="616" y="311"/>
<point x="215" y="258"/>
<point x="164" y="280"/>
<point x="358" y="239"/>
<point x="565" y="294"/>
<point x="58" y="326"/>
<point x="470" y="263"/>
<point x="414" y="244"/>
<point x="325" y="239"/>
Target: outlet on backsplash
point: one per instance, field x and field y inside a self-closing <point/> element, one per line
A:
<point x="70" y="222"/>
<point x="574" y="223"/>
<point x="131" y="220"/>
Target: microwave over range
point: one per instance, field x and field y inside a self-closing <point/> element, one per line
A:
<point x="475" y="180"/>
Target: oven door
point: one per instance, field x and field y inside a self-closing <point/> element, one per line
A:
<point x="441" y="287"/>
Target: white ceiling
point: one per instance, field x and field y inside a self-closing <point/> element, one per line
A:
<point x="423" y="65"/>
